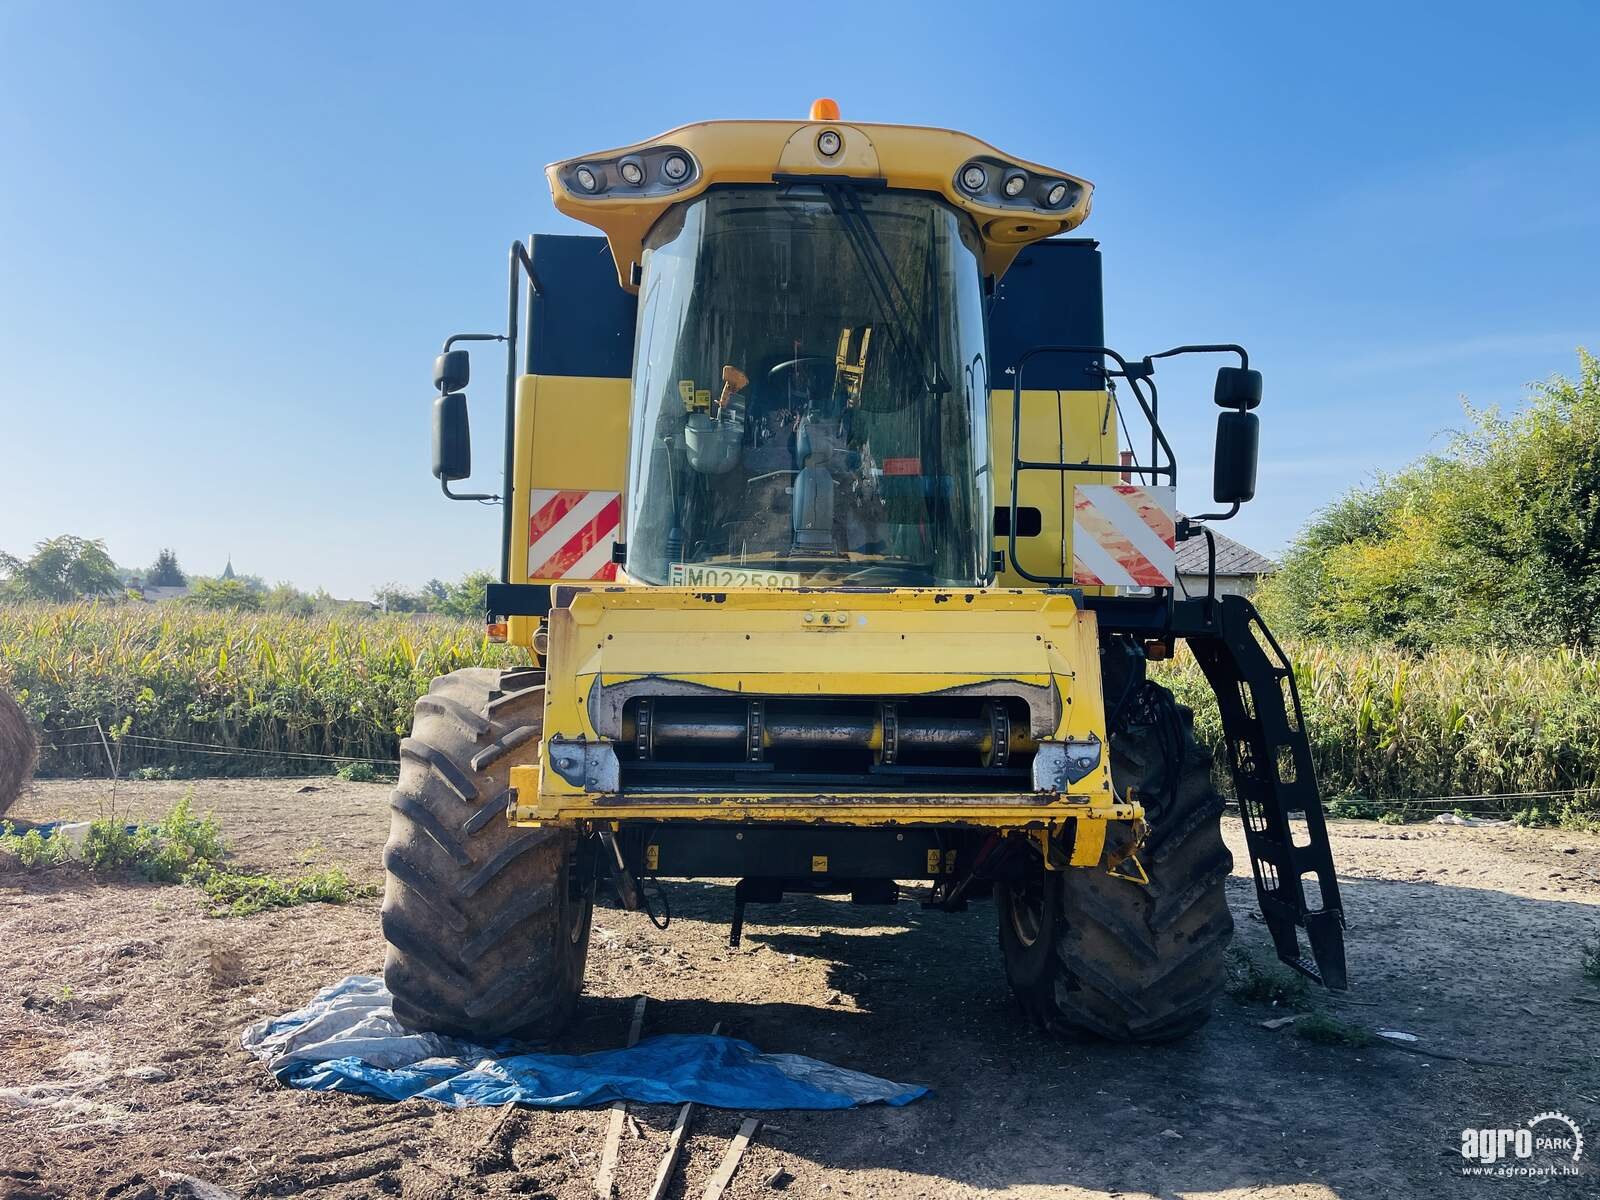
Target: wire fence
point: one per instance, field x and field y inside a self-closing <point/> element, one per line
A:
<point x="122" y="753"/>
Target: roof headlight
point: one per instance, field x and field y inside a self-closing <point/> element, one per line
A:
<point x="1014" y="184"/>
<point x="1057" y="195"/>
<point x="973" y="177"/>
<point x="676" y="168"/>
<point x="631" y="171"/>
<point x="829" y="143"/>
<point x="587" y="179"/>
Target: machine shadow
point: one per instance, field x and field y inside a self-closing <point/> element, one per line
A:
<point x="1233" y="1108"/>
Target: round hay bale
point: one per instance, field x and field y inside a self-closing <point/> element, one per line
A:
<point x="19" y="750"/>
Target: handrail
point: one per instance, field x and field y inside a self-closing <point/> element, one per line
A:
<point x="1020" y="464"/>
<point x="520" y="262"/>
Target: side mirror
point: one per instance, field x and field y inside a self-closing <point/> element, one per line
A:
<point x="1233" y="477"/>
<point x="1238" y="387"/>
<point x="452" y="371"/>
<point x="452" y="436"/>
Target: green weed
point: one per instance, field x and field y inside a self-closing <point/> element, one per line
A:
<point x="1590" y="952"/>
<point x="1249" y="983"/>
<point x="180" y="845"/>
<point x="1330" y="1031"/>
<point x="32" y="848"/>
<point x="239" y="895"/>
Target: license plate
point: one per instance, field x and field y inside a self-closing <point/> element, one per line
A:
<point x="709" y="576"/>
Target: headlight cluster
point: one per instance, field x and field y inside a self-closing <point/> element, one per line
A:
<point x="651" y="172"/>
<point x="1004" y="185"/>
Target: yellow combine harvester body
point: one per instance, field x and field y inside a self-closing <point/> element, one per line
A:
<point x="883" y="645"/>
<point x="834" y="572"/>
<point x="573" y="435"/>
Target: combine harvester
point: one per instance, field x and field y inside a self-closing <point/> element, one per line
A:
<point x="841" y="567"/>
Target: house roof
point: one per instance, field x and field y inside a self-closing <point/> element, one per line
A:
<point x="1233" y="558"/>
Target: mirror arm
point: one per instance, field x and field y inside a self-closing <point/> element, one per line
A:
<point x="481" y="497"/>
<point x="471" y="337"/>
<point x="1233" y="511"/>
<point x="1221" y="348"/>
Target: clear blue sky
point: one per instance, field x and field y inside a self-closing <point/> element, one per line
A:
<point x="232" y="237"/>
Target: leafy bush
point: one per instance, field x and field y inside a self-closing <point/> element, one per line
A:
<point x="31" y="848"/>
<point x="357" y="772"/>
<point x="225" y="594"/>
<point x="1495" y="541"/>
<point x="180" y="847"/>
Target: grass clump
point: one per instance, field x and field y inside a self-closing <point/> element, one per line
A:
<point x="1325" y="1030"/>
<point x="241" y="895"/>
<point x="1392" y="817"/>
<point x="1353" y="807"/>
<point x="149" y="774"/>
<point x="1591" y="959"/>
<point x="1250" y="983"/>
<point x="357" y="772"/>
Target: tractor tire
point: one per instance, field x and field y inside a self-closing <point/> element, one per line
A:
<point x="1088" y="953"/>
<point x="487" y="934"/>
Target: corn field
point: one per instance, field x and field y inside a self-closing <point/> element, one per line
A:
<point x="1487" y="731"/>
<point x="223" y="693"/>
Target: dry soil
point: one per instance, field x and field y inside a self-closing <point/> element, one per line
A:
<point x="121" y="1004"/>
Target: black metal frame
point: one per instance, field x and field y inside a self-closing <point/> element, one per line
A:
<point x="1268" y="752"/>
<point x="521" y="264"/>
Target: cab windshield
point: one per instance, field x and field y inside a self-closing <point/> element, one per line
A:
<point x="810" y="393"/>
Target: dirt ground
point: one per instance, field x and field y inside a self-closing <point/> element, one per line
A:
<point x="1467" y="937"/>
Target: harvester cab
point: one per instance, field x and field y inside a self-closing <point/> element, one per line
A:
<point x="840" y="543"/>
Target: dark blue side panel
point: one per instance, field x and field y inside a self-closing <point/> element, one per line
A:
<point x="582" y="322"/>
<point x="1050" y="297"/>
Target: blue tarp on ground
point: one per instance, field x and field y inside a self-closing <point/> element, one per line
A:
<point x="348" y="1040"/>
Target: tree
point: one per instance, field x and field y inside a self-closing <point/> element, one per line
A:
<point x="286" y="598"/>
<point x="61" y="569"/>
<point x="393" y="598"/>
<point x="225" y="594"/>
<point x="164" y="572"/>
<point x="1497" y="539"/>
<point x="465" y="597"/>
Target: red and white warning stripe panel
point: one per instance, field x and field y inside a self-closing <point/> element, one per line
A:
<point x="1124" y="535"/>
<point x="570" y="534"/>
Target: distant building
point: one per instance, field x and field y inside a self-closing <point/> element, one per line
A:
<point x="155" y="595"/>
<point x="1239" y="568"/>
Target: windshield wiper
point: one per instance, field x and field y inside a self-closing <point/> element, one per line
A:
<point x="887" y="290"/>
